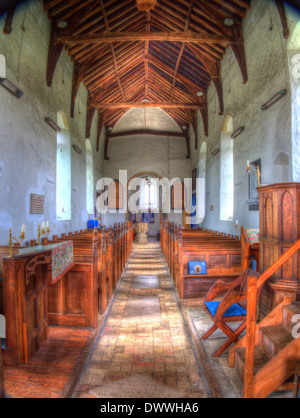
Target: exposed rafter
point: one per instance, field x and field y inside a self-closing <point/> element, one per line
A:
<point x="112" y="51"/>
<point x="127" y="58"/>
<point x="283" y="17"/>
<point x="9" y="19"/>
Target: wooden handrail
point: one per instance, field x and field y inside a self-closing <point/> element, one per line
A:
<point x="252" y="293"/>
<point x="283" y="259"/>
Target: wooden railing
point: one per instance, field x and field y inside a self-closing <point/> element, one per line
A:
<point x="253" y="290"/>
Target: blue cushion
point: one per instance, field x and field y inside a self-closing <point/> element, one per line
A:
<point x="197" y="267"/>
<point x="234" y="310"/>
<point x="92" y="223"/>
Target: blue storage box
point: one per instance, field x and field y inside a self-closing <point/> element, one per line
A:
<point x="93" y="223"/>
<point x="197" y="267"/>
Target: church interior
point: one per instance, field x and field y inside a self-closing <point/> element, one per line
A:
<point x="194" y="295"/>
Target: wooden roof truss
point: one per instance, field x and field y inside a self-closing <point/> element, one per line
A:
<point x="164" y="57"/>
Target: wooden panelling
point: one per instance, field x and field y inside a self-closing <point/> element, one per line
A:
<point x="279" y="223"/>
<point x="221" y="254"/>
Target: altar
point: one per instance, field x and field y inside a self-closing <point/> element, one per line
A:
<point x="141" y="230"/>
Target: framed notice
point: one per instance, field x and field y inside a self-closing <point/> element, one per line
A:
<point x="37" y="204"/>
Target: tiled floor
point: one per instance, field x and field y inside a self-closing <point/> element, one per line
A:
<point x="144" y="340"/>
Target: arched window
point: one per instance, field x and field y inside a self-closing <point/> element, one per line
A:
<point x="115" y="196"/>
<point x="226" y="186"/>
<point x="2" y="66"/>
<point x="149" y="194"/>
<point x="178" y="196"/>
<point x="294" y="65"/>
<point x="89" y="178"/>
<point x="201" y="192"/>
<point x="63" y="170"/>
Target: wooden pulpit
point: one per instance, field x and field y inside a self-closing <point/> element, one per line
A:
<point x="279" y="211"/>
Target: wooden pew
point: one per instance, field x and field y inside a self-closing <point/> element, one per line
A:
<point x="222" y="255"/>
<point x="90" y="262"/>
<point x="111" y="257"/>
<point x="32" y="302"/>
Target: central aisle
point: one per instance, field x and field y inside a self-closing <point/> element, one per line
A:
<point x="144" y="349"/>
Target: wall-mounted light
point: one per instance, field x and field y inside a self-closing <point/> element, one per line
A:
<point x="274" y="99"/>
<point x="62" y="24"/>
<point x="52" y="124"/>
<point x="215" y="152"/>
<point x="77" y="149"/>
<point x="237" y="132"/>
<point x="11" y="87"/>
<point x="228" y="22"/>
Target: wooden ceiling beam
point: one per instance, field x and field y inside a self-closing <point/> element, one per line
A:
<point x="146" y="61"/>
<point x="239" y="51"/>
<point x="214" y="70"/>
<point x="105" y="37"/>
<point x="112" y="51"/>
<point x="283" y="17"/>
<point x="55" y="47"/>
<point x="186" y="28"/>
<point x="89" y="116"/>
<point x="164" y="105"/>
<point x="146" y="132"/>
<point x="100" y="124"/>
<point x="7" y="30"/>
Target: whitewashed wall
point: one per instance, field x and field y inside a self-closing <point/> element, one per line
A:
<point x="267" y="133"/>
<point x="27" y="143"/>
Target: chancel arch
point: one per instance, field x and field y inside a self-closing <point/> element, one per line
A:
<point x="63" y="170"/>
<point x="226" y="171"/>
<point x="294" y="67"/>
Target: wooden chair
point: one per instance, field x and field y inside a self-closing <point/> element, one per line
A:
<point x="297" y="380"/>
<point x="2" y="391"/>
<point x="232" y="308"/>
